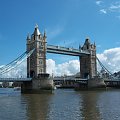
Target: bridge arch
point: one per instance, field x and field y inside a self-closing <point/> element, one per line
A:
<point x="32" y="73"/>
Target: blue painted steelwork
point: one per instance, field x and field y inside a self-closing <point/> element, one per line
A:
<point x="66" y="51"/>
<point x="15" y="62"/>
<point x="15" y="79"/>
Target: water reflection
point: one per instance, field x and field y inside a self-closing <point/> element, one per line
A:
<point x="90" y="108"/>
<point x="68" y="105"/>
<point x="62" y="105"/>
<point x="37" y="106"/>
<point x="71" y="105"/>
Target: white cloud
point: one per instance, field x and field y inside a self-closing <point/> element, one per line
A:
<point x="50" y="66"/>
<point x="98" y="2"/>
<point x="69" y="68"/>
<point x="19" y="71"/>
<point x="103" y="11"/>
<point x="111" y="59"/>
<point x="109" y="7"/>
<point x="115" y="7"/>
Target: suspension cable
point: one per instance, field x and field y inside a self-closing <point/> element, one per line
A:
<point x="8" y="66"/>
<point x="113" y="77"/>
<point x="15" y="62"/>
<point x="103" y="66"/>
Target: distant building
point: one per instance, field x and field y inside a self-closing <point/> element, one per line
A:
<point x="5" y="84"/>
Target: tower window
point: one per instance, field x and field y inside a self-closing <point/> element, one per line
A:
<point x="34" y="37"/>
<point x="41" y="47"/>
<point x="40" y="62"/>
<point x="87" y="47"/>
<point x="40" y="54"/>
<point x="41" y="70"/>
<point x="39" y="43"/>
<point x="39" y="36"/>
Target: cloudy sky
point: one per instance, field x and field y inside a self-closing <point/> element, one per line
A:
<point x="67" y="23"/>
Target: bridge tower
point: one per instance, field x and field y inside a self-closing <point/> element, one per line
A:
<point x="88" y="66"/>
<point x="36" y="64"/>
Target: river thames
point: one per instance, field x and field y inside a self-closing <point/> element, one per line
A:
<point x="63" y="104"/>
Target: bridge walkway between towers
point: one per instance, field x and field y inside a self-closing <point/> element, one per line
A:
<point x="66" y="51"/>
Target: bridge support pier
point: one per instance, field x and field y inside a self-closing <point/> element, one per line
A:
<point x="38" y="85"/>
<point x="26" y="87"/>
<point x="96" y="83"/>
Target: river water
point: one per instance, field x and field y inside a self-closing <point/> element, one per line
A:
<point x="63" y="104"/>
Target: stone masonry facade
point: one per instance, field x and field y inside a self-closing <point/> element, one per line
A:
<point x="36" y="63"/>
<point x="88" y="66"/>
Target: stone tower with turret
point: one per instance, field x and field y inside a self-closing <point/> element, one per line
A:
<point x="36" y="63"/>
<point x="88" y="66"/>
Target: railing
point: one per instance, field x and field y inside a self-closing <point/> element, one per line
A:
<point x="68" y="79"/>
<point x="66" y="50"/>
<point x="15" y="79"/>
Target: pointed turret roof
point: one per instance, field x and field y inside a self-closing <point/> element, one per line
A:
<point x="36" y="31"/>
<point x="44" y="33"/>
<point x="87" y="40"/>
<point x="28" y="37"/>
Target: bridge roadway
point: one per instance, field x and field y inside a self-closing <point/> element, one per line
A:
<point x="66" y="51"/>
<point x="29" y="79"/>
<point x="69" y="82"/>
<point x="15" y="79"/>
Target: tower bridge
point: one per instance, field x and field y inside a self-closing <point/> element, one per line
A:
<point x="37" y="78"/>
